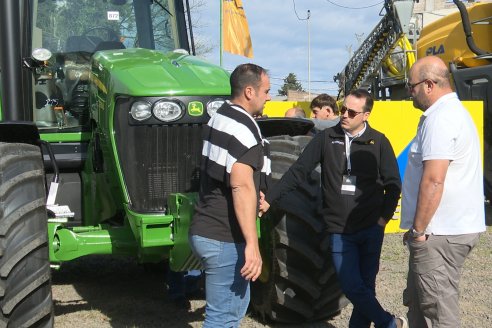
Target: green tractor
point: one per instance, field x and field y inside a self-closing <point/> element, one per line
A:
<point x="100" y="148"/>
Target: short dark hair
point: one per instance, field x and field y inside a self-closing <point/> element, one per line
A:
<point x="363" y="94"/>
<point x="245" y="75"/>
<point x="324" y="100"/>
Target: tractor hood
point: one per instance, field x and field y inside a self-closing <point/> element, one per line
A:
<point x="143" y="72"/>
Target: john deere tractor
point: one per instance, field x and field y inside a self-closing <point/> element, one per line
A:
<point x="100" y="143"/>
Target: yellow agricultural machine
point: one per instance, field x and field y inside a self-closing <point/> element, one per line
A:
<point x="463" y="39"/>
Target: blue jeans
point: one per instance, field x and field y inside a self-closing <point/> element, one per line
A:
<point x="356" y="260"/>
<point x="227" y="292"/>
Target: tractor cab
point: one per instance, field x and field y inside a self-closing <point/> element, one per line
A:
<point x="73" y="30"/>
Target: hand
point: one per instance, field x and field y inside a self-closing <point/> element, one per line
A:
<point x="382" y="222"/>
<point x="264" y="206"/>
<point x="252" y="266"/>
<point x="406" y="235"/>
<point x="421" y="238"/>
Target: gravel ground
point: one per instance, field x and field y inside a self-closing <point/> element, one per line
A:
<point x="107" y="292"/>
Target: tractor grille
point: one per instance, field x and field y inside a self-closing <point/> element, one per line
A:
<point x="157" y="160"/>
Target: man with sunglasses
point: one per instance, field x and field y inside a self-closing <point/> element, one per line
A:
<point x="442" y="198"/>
<point x="360" y="184"/>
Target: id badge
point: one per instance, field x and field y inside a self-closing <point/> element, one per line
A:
<point x="348" y="185"/>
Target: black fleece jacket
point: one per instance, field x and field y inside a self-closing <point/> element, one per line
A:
<point x="374" y="165"/>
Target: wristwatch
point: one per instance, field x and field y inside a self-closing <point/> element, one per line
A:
<point x="415" y="234"/>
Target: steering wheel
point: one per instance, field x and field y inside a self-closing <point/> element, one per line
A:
<point x="110" y="34"/>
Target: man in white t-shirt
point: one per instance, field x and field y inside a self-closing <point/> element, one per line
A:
<point x="442" y="197"/>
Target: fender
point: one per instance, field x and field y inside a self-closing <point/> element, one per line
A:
<point x="19" y="132"/>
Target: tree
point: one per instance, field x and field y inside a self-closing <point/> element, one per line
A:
<point x="61" y="19"/>
<point x="203" y="43"/>
<point x="290" y="83"/>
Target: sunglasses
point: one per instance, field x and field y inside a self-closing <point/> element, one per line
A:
<point x="351" y="113"/>
<point x="411" y="86"/>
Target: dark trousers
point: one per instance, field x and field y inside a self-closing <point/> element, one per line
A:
<point x="356" y="260"/>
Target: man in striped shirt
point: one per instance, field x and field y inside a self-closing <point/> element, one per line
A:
<point x="223" y="230"/>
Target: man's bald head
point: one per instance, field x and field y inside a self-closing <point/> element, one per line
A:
<point x="295" y="112"/>
<point x="428" y="81"/>
<point x="432" y="68"/>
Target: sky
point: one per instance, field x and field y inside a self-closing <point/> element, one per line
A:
<point x="279" y="33"/>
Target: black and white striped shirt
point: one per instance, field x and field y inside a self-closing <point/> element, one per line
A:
<point x="229" y="134"/>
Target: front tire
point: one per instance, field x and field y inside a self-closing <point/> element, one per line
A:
<point x="25" y="279"/>
<point x="298" y="282"/>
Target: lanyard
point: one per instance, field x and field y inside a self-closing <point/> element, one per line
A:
<point x="348" y="142"/>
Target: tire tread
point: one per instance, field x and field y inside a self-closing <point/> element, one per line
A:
<point x="25" y="274"/>
<point x="299" y="272"/>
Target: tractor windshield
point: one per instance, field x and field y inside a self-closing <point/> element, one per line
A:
<point x="92" y="25"/>
<point x="73" y="30"/>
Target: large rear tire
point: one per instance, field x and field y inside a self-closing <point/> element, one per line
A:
<point x="25" y="280"/>
<point x="298" y="282"/>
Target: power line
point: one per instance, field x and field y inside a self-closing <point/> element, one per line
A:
<point x="283" y="78"/>
<point x="297" y="79"/>
<point x="365" y="7"/>
<point x="318" y="81"/>
<point x="326" y="90"/>
<point x="309" y="45"/>
<point x="295" y="11"/>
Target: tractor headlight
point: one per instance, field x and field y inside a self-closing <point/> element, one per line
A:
<point x="167" y="111"/>
<point x="140" y="110"/>
<point x="213" y="106"/>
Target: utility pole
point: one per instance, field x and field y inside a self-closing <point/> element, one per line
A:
<point x="359" y="38"/>
<point x="309" y="55"/>
<point x="349" y="50"/>
<point x="309" y="46"/>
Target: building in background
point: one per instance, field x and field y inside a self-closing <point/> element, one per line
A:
<point x="428" y="11"/>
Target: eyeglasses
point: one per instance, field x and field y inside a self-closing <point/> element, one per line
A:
<point x="351" y="113"/>
<point x="411" y="86"/>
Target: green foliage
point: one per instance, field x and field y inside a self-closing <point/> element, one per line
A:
<point x="290" y="83"/>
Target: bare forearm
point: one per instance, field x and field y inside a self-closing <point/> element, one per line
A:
<point x="245" y="203"/>
<point x="430" y="195"/>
